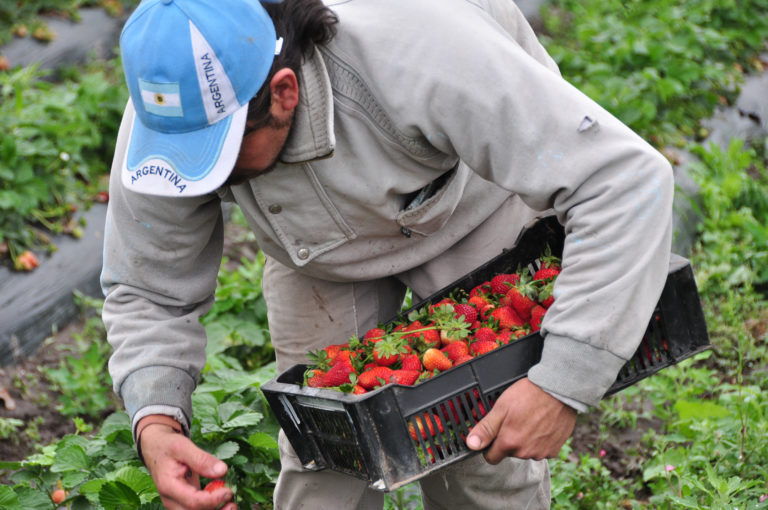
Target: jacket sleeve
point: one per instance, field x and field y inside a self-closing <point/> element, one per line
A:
<point x="481" y="93"/>
<point x="161" y="259"/>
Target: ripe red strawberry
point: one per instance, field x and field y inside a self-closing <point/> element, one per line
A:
<point x="478" y="302"/>
<point x="504" y="336"/>
<point x="546" y="273"/>
<point x="434" y="359"/>
<point x="482" y="346"/>
<point x="480" y="290"/>
<point x="444" y="301"/>
<point x="522" y="301"/>
<point x="316" y="378"/>
<point x="507" y="317"/>
<point x="387" y="352"/>
<point x="431" y="337"/>
<point x="454" y="350"/>
<point x="358" y="390"/>
<point x="546" y="297"/>
<point x="467" y="311"/>
<point x="373" y="335"/>
<point x="406" y="377"/>
<point x="339" y="373"/>
<point x="411" y="362"/>
<point x="549" y="260"/>
<point x="374" y="377"/>
<point x="501" y="283"/>
<point x="214" y="484"/>
<point x="536" y="315"/>
<point x="428" y="424"/>
<point x="485" y="333"/>
<point x="463" y="359"/>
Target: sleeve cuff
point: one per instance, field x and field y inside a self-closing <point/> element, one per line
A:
<point x="575" y="370"/>
<point x="166" y="388"/>
<point x="170" y="411"/>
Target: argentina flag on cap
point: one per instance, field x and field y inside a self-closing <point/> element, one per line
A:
<point x="191" y="67"/>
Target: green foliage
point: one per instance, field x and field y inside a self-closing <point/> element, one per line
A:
<point x="232" y="421"/>
<point x="236" y="325"/>
<point x="659" y="66"/>
<point x="733" y="204"/>
<point x="55" y="146"/>
<point x="23" y="18"/>
<point x="82" y="377"/>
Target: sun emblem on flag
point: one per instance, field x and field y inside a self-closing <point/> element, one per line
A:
<point x="159" y="99"/>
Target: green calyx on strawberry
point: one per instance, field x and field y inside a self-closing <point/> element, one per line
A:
<point x="437" y="337"/>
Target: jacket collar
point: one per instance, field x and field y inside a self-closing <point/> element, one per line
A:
<point x="312" y="132"/>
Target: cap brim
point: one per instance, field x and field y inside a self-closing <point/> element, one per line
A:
<point x="183" y="164"/>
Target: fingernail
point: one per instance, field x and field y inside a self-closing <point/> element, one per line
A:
<point x="219" y="468"/>
<point x="474" y="442"/>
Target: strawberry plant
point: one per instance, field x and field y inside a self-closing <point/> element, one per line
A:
<point x="44" y="176"/>
<point x="660" y="66"/>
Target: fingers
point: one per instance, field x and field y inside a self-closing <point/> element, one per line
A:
<point x="526" y="422"/>
<point x="176" y="465"/>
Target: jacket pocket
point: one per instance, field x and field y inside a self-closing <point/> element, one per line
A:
<point x="300" y="212"/>
<point x="425" y="216"/>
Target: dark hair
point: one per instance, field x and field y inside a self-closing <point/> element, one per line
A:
<point x="302" y="24"/>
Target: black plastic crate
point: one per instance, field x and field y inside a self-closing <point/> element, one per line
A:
<point x="368" y="436"/>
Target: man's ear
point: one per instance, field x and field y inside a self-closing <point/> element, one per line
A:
<point x="284" y="88"/>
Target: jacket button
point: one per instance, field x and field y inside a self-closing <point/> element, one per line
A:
<point x="275" y="209"/>
<point x="303" y="253"/>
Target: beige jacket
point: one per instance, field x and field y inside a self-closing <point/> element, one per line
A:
<point x="453" y="92"/>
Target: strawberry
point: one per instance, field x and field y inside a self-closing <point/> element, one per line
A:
<point x="214" y="485"/>
<point x="504" y="336"/>
<point x="406" y="377"/>
<point x="315" y="378"/>
<point x="411" y="362"/>
<point x="358" y="390"/>
<point x="387" y="352"/>
<point x="426" y="425"/>
<point x="501" y="283"/>
<point x="433" y="359"/>
<point x="27" y="261"/>
<point x="548" y="260"/>
<point x="455" y="349"/>
<point x="463" y="359"/>
<point x="481" y="347"/>
<point x="468" y="312"/>
<point x="546" y="297"/>
<point x="373" y="335"/>
<point x="480" y="290"/>
<point x="444" y="301"/>
<point x="430" y="337"/>
<point x="485" y="333"/>
<point x="58" y="496"/>
<point x="536" y="315"/>
<point x="478" y="302"/>
<point x="339" y="373"/>
<point x="546" y="273"/>
<point x="374" y="377"/>
<point x="522" y="297"/>
<point x="507" y="317"/>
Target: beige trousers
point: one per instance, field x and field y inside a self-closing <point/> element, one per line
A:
<point x="307" y="313"/>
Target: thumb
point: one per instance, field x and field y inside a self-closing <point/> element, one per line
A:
<point x="203" y="463"/>
<point x="485" y="431"/>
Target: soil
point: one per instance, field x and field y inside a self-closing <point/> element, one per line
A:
<point x="26" y="395"/>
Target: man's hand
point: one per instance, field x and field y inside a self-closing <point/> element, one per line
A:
<point x="176" y="465"/>
<point x="525" y="422"/>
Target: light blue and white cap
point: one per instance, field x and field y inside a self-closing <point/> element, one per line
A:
<point x="191" y="67"/>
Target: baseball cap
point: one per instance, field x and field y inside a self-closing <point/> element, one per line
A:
<point x="191" y="67"/>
